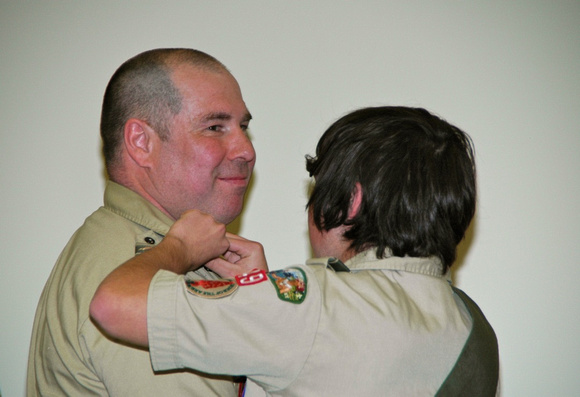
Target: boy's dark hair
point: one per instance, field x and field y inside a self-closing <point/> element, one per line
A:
<point x="417" y="174"/>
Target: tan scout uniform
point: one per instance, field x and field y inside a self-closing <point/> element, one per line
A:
<point x="389" y="327"/>
<point x="68" y="354"/>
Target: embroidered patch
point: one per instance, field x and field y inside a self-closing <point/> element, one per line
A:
<point x="290" y="284"/>
<point x="254" y="277"/>
<point x="211" y="289"/>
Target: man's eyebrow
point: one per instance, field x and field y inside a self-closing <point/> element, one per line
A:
<point x="216" y="116"/>
<point x="222" y="116"/>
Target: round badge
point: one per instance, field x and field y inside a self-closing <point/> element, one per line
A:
<point x="211" y="289"/>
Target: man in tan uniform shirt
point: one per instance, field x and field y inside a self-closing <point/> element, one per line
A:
<point x="373" y="315"/>
<point x="174" y="136"/>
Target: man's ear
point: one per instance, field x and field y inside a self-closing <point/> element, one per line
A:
<point x="139" y="141"/>
<point x="355" y="201"/>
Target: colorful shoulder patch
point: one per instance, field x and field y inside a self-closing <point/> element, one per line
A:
<point x="290" y="284"/>
<point x="211" y="289"/>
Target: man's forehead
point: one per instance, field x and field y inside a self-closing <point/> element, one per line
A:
<point x="210" y="95"/>
<point x="189" y="69"/>
<point x="192" y="76"/>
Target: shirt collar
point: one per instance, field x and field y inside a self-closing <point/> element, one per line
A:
<point x="134" y="207"/>
<point x="367" y="260"/>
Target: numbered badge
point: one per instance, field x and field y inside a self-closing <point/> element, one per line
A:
<point x="254" y="277"/>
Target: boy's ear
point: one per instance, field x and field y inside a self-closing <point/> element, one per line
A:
<point x="355" y="201"/>
<point x="139" y="141"/>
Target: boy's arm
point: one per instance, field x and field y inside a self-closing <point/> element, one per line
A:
<point x="119" y="306"/>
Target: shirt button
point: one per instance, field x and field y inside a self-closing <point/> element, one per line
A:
<point x="149" y="240"/>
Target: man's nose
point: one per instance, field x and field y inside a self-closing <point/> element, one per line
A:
<point x="241" y="146"/>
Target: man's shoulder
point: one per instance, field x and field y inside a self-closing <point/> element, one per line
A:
<point x="98" y="246"/>
<point x="103" y="236"/>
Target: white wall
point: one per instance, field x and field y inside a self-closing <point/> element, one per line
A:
<point x="506" y="72"/>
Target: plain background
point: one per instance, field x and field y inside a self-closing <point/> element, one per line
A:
<point x="508" y="73"/>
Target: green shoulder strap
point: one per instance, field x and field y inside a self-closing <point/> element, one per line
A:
<point x="476" y="371"/>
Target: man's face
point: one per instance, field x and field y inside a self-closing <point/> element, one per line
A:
<point x="207" y="161"/>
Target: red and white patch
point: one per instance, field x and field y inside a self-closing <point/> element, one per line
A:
<point x="254" y="277"/>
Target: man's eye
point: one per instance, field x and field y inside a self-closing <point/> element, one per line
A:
<point x="244" y="127"/>
<point x="215" y="128"/>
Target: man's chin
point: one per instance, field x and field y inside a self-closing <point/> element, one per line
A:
<point x="227" y="217"/>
